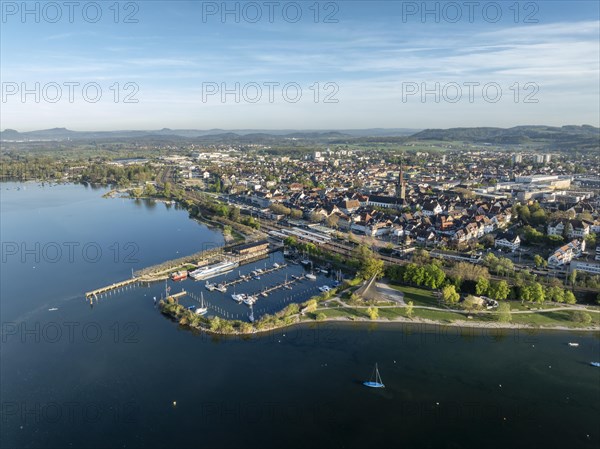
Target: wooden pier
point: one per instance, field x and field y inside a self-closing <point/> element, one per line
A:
<point x="177" y="295"/>
<point x="248" y="277"/>
<point x="99" y="291"/>
<point x="282" y="285"/>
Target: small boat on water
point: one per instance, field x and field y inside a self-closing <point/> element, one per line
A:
<point x="257" y="278"/>
<point x="222" y="288"/>
<point x="275" y="265"/>
<point x="375" y="381"/>
<point x="264" y="294"/>
<point x="179" y="275"/>
<point x="210" y="287"/>
<point x="53" y="309"/>
<point x="202" y="310"/>
<point x="596" y="364"/>
<point x="251" y="316"/>
<point x="305" y="261"/>
<point x="311" y="276"/>
<point x="574" y="344"/>
<point x="239" y="297"/>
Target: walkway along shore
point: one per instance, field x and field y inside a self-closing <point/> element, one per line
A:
<point x="304" y="319"/>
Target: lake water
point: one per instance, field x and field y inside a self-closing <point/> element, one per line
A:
<point x="119" y="374"/>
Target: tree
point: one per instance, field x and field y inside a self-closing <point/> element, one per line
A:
<point x="468" y="271"/>
<point x="316" y="218"/>
<point x="149" y="190"/>
<point x="482" y="286"/>
<point x="310" y="306"/>
<point x="369" y="265"/>
<point x="524" y="213"/>
<point x="409" y="309"/>
<point x="590" y="240"/>
<point x="538" y="261"/>
<point x="533" y="293"/>
<point x="556" y="294"/>
<point x="449" y="295"/>
<point x="434" y="276"/>
<point x="332" y="221"/>
<point x="471" y="303"/>
<point x="499" y="290"/>
<point x="572" y="278"/>
<point x="413" y="274"/>
<point x="570" y="297"/>
<point x="373" y="313"/>
<point x="167" y="189"/>
<point x="503" y="314"/>
<point x="580" y="316"/>
<point x="234" y="214"/>
<point x="568" y="230"/>
<point x="296" y="214"/>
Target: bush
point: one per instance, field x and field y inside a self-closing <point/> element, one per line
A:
<point x="580" y="316"/>
<point x="320" y="316"/>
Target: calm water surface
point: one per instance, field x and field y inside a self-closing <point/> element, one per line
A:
<point x="119" y="374"/>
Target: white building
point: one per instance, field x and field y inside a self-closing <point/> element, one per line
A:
<point x="565" y="254"/>
<point x="507" y="242"/>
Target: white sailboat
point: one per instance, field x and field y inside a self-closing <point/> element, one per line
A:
<point x="202" y="310"/>
<point x="375" y="381"/>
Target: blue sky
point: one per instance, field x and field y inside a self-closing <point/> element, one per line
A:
<point x="378" y="58"/>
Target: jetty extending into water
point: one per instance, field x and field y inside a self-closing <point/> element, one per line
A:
<point x="248" y="277"/>
<point x="242" y="254"/>
<point x="284" y="284"/>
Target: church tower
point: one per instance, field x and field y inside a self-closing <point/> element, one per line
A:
<point x="401" y="190"/>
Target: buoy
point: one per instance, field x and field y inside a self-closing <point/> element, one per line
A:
<point x="174" y="403"/>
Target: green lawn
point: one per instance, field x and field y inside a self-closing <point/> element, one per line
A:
<point x="419" y="296"/>
<point x="438" y="315"/>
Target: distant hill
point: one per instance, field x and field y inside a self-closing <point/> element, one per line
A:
<point x="554" y="137"/>
<point x="544" y="137"/>
<point x="212" y="134"/>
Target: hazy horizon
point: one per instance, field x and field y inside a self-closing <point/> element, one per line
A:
<point x="357" y="65"/>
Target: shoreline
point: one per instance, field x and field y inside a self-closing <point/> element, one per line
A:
<point x="462" y="324"/>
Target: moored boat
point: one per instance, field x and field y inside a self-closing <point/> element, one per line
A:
<point x="213" y="270"/>
<point x="179" y="275"/>
<point x="573" y="344"/>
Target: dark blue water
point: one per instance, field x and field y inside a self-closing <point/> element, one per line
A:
<point x="119" y="374"/>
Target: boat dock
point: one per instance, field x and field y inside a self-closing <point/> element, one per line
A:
<point x="281" y="285"/>
<point x="178" y="295"/>
<point x="247" y="277"/>
<point x="116" y="286"/>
